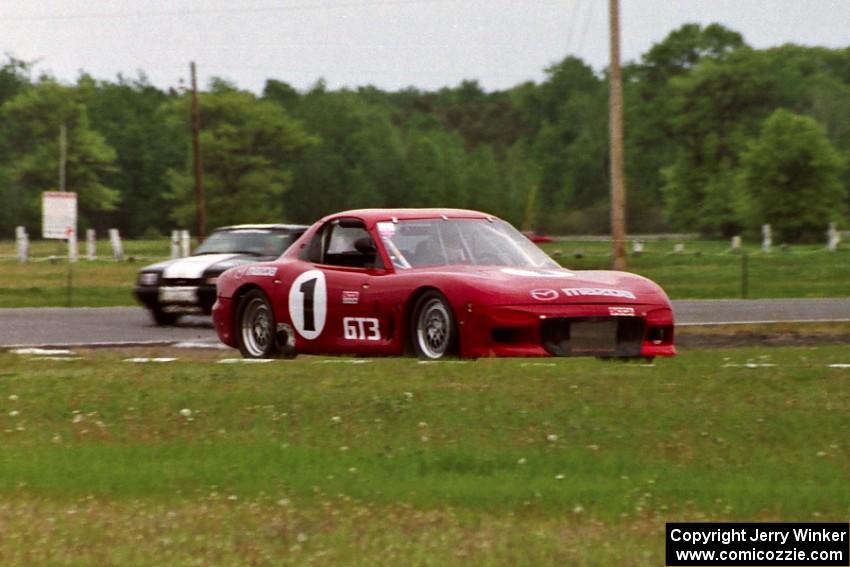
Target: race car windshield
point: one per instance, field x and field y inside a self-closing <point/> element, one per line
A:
<point x="478" y="242"/>
<point x="249" y="241"/>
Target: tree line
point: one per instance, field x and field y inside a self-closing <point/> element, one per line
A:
<point x="719" y="138"/>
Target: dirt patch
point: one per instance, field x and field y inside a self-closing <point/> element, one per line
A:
<point x="778" y="334"/>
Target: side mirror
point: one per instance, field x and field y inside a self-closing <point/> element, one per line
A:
<point x="365" y="246"/>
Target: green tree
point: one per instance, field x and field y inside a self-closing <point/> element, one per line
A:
<point x="790" y="178"/>
<point x="568" y="144"/>
<point x="520" y="188"/>
<point x="652" y="137"/>
<point x="127" y="113"/>
<point x="485" y="183"/>
<point x="357" y="161"/>
<point x="481" y="118"/>
<point x="30" y="126"/>
<point x="714" y="110"/>
<point x="683" y="49"/>
<point x="249" y="150"/>
<point x="14" y="78"/>
<point x="435" y="169"/>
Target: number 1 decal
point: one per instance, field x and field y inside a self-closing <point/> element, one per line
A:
<point x="308" y="302"/>
<point x="308" y="288"/>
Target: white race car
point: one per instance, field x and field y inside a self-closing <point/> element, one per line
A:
<point x="172" y="288"/>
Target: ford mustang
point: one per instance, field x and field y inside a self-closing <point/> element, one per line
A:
<point x="434" y="283"/>
<point x="175" y="287"/>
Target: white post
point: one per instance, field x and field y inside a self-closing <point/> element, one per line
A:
<point x="766" y="238"/>
<point x="175" y="244"/>
<point x="91" y="244"/>
<point x="185" y="243"/>
<point x="679" y="248"/>
<point x="73" y="256"/>
<point x="834" y="238"/>
<point x="115" y="240"/>
<point x="736" y="243"/>
<point x="23" y="243"/>
<point x="637" y="247"/>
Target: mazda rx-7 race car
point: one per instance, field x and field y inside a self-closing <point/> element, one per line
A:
<point x="435" y="283"/>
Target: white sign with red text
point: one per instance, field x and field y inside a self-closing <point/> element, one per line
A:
<point x="58" y="214"/>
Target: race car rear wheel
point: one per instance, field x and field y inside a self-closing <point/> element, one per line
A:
<point x="255" y="322"/>
<point x="433" y="330"/>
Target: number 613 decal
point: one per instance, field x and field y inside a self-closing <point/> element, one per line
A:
<point x="361" y="329"/>
<point x="308" y="304"/>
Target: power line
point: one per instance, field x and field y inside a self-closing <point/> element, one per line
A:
<point x="218" y="11"/>
<point x="575" y="9"/>
<point x="583" y="36"/>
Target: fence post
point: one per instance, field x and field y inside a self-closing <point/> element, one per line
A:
<point x="91" y="244"/>
<point x="766" y="238"/>
<point x="834" y="238"/>
<point x="175" y="244"/>
<point x="115" y="240"/>
<point x="736" y="244"/>
<point x="23" y="244"/>
<point x="185" y="243"/>
<point x="637" y="247"/>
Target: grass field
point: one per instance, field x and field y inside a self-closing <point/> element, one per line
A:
<point x="390" y="461"/>
<point x="709" y="270"/>
<point x="705" y="270"/>
<point x="99" y="283"/>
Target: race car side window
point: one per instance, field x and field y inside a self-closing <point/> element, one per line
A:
<point x="343" y="242"/>
<point x="312" y="252"/>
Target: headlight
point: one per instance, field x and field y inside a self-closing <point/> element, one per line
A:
<point x="148" y="278"/>
<point x="211" y="280"/>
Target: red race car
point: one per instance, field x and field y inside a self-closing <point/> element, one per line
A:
<point x="435" y="283"/>
<point x="536" y="237"/>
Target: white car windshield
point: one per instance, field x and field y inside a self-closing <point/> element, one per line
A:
<point x="256" y="242"/>
<point x="477" y="242"/>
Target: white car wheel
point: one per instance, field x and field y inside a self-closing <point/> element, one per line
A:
<point x="433" y="333"/>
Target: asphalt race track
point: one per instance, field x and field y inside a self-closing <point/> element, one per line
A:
<point x="59" y="326"/>
<point x="106" y="326"/>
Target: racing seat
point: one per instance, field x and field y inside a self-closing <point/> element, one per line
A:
<point x="427" y="253"/>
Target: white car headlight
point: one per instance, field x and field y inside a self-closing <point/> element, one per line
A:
<point x="148" y="278"/>
<point x="211" y="280"/>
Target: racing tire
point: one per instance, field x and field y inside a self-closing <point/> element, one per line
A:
<point x="255" y="326"/>
<point x="163" y="318"/>
<point x="433" y="331"/>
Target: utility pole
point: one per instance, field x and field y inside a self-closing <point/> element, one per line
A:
<point x="200" y="198"/>
<point x="615" y="118"/>
<point x="63" y="155"/>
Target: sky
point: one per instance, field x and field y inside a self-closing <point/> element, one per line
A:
<point x="392" y="44"/>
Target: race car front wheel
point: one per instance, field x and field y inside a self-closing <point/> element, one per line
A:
<point x="255" y="326"/>
<point x="162" y="317"/>
<point x="433" y="332"/>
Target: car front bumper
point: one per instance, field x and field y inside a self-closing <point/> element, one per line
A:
<point x="617" y="331"/>
<point x="177" y="298"/>
<point x="222" y="316"/>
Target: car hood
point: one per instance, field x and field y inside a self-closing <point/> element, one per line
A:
<point x="525" y="286"/>
<point x="193" y="267"/>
